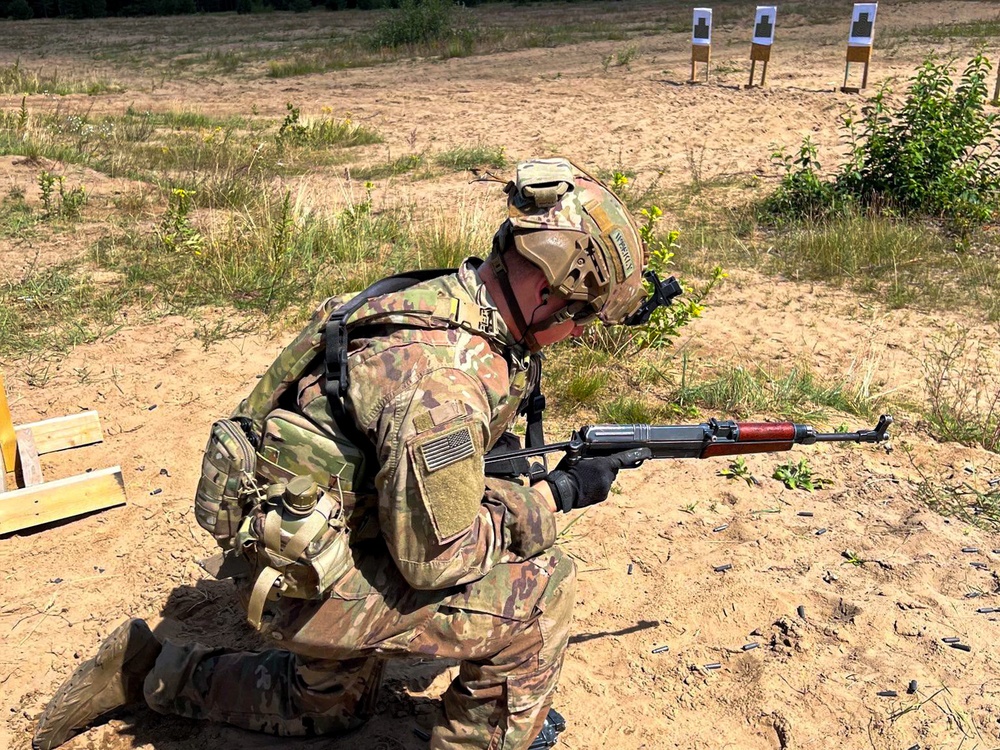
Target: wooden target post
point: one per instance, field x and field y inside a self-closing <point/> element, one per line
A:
<point x="701" y="42"/>
<point x="759" y="53"/>
<point x="996" y="89"/>
<point x="700" y="53"/>
<point x="859" y="44"/>
<point x="26" y="499"/>
<point x="862" y="55"/>
<point x="763" y="38"/>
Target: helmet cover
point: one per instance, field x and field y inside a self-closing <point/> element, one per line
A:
<point x="580" y="234"/>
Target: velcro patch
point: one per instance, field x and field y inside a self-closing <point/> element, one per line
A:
<point x="447" y="449"/>
<point x="618" y="240"/>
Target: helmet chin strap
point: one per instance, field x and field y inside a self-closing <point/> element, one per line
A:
<point x="500" y="271"/>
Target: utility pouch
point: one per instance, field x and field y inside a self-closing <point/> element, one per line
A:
<point x="544" y="181"/>
<point x="227" y="481"/>
<point x="291" y="445"/>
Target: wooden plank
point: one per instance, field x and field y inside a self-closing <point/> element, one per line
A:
<point x="760" y="52"/>
<point x="8" y="438"/>
<point x="61" y="499"/>
<point x="28" y="466"/>
<point x="61" y="433"/>
<point x="859" y="54"/>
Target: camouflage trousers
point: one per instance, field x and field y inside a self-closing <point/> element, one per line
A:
<point x="509" y="629"/>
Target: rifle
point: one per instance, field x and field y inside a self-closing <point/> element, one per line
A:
<point x="706" y="440"/>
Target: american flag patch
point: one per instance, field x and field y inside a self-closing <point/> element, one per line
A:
<point x="447" y="449"/>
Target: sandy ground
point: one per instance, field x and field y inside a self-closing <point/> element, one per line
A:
<point x="647" y="557"/>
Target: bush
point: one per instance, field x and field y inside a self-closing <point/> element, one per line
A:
<point x="19" y="10"/>
<point x="414" y="22"/>
<point x="936" y="155"/>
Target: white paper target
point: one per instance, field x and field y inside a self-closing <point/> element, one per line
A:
<point x="701" y="28"/>
<point x="763" y="24"/>
<point x="863" y="25"/>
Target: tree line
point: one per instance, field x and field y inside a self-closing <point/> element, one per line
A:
<point x="25" y="9"/>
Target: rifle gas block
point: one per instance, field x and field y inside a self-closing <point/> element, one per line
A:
<point x="712" y="438"/>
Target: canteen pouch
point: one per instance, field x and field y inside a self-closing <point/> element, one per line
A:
<point x="227" y="478"/>
<point x="301" y="563"/>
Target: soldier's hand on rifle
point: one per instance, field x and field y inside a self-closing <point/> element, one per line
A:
<point x="588" y="481"/>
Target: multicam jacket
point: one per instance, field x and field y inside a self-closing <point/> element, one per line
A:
<point x="434" y="382"/>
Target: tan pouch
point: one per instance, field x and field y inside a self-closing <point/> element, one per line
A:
<point x="227" y="480"/>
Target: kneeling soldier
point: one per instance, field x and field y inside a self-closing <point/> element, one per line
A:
<point x="351" y="484"/>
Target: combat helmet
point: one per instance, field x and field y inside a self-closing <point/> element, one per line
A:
<point x="581" y="235"/>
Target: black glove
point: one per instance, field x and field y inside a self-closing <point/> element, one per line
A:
<point x="589" y="481"/>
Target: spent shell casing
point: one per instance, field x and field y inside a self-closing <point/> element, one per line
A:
<point x="986" y="610"/>
<point x="961" y="646"/>
<point x="805" y="513"/>
<point x="912" y="687"/>
<point x="750" y="646"/>
<point x="630" y="568"/>
<point x="717" y="529"/>
<point x="887" y="694"/>
<point x="660" y="649"/>
<point x="713" y="666"/>
<point x="970" y="550"/>
<point x="950" y="640"/>
<point x="723" y="568"/>
<point x="821" y="532"/>
<point x="801" y="611"/>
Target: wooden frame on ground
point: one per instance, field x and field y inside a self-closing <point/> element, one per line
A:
<point x="31" y="501"/>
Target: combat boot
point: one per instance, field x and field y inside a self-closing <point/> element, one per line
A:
<point x="110" y="680"/>
<point x="548" y="736"/>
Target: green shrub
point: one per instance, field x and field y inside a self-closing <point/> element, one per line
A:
<point x="935" y="155"/>
<point x="414" y="22"/>
<point x="19" y="10"/>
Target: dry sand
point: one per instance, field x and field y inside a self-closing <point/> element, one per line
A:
<point x="813" y="680"/>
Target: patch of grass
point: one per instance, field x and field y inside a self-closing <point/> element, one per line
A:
<point x="267" y="258"/>
<point x="585" y="388"/>
<point x="480" y="156"/>
<point x="977" y="505"/>
<point x="299" y="66"/>
<point x="631" y="410"/>
<point x="390" y="168"/>
<point x="15" y="79"/>
<point x="795" y="394"/>
<point x="985" y="30"/>
<point x="901" y="262"/>
<point x="324" y="131"/>
<point x="962" y="382"/>
<point x="187" y="120"/>
<point x="51" y="309"/>
<point x="16" y="216"/>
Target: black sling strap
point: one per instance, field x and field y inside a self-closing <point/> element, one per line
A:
<point x="337" y="378"/>
<point x="535" y="435"/>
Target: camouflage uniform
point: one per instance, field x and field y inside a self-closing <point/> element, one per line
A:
<point x="459" y="565"/>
